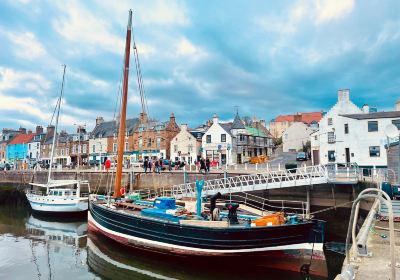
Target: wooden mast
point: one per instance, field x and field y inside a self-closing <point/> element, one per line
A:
<point x="122" y="117"/>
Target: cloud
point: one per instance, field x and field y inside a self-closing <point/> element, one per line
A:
<point x="327" y="10"/>
<point x="11" y="79"/>
<point x="27" y="46"/>
<point x="186" y="48"/>
<point x="77" y="24"/>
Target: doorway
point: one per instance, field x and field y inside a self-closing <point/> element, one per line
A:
<point x="347" y="155"/>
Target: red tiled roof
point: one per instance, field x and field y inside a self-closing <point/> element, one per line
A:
<point x="22" y="138"/>
<point x="305" y="117"/>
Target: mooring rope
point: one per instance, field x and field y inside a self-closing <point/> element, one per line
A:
<point x="331" y="208"/>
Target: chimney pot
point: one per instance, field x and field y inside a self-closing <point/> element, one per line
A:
<point x="344" y="95"/>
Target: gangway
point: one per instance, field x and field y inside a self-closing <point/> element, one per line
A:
<point x="302" y="176"/>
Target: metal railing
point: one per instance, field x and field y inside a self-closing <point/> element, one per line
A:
<point x="265" y="205"/>
<point x="307" y="175"/>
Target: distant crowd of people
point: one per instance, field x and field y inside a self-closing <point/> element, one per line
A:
<point x="157" y="165"/>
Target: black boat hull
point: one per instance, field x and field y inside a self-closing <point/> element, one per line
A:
<point x="172" y="238"/>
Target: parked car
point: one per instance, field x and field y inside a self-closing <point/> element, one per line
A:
<point x="93" y="162"/>
<point x="5" y="166"/>
<point x="301" y="156"/>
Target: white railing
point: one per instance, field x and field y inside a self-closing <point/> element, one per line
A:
<point x="307" y="175"/>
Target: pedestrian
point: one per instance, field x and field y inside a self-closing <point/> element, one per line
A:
<point x="161" y="164"/>
<point x="156" y="166"/>
<point x="202" y="166"/>
<point x="208" y="165"/>
<point x="150" y="166"/>
<point x="145" y="165"/>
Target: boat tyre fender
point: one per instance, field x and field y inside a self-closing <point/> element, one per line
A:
<point x="122" y="191"/>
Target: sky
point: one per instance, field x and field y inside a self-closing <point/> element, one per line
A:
<point x="197" y="58"/>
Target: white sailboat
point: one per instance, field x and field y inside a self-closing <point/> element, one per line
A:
<point x="62" y="196"/>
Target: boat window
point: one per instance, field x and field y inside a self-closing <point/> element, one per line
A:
<point x="51" y="193"/>
<point x="67" y="193"/>
<point x="73" y="193"/>
<point x="55" y="193"/>
<point x="60" y="193"/>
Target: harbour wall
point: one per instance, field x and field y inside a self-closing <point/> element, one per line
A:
<point x="323" y="195"/>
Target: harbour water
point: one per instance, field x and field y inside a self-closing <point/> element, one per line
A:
<point x="35" y="247"/>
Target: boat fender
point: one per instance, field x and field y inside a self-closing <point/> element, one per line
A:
<point x="215" y="215"/>
<point x="122" y="191"/>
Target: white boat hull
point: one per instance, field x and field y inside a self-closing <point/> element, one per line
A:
<point x="57" y="205"/>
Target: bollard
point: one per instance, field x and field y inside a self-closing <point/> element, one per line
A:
<point x="245" y="166"/>
<point x="256" y="166"/>
<point x="279" y="166"/>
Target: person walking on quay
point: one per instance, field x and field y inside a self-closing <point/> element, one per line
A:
<point x="150" y="166"/>
<point x="208" y="165"/>
<point x="161" y="163"/>
<point x="202" y="166"/>
<point x="145" y="165"/>
<point x="157" y="166"/>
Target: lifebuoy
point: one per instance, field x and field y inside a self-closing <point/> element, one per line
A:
<point x="122" y="191"/>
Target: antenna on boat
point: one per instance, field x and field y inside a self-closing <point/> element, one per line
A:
<point x="58" y="105"/>
<point x="122" y="116"/>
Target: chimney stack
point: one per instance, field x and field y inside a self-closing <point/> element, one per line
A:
<point x="365" y="109"/>
<point x="344" y="95"/>
<point x="22" y="130"/>
<point x="215" y="118"/>
<point x="39" y="129"/>
<point x="297" y="117"/>
<point x="184" y="127"/>
<point x="50" y="131"/>
<point x="99" y="120"/>
<point x="397" y="107"/>
<point x="30" y="131"/>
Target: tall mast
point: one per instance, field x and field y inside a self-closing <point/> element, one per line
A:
<point x="122" y="117"/>
<point x="58" y="105"/>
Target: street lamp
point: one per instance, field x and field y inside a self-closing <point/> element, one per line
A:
<point x="79" y="142"/>
<point x="101" y="149"/>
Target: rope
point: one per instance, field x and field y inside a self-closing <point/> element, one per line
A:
<point x="330" y="208"/>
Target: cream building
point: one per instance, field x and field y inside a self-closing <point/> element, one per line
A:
<point x="296" y="136"/>
<point x="186" y="145"/>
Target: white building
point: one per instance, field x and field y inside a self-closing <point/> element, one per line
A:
<point x="296" y="136"/>
<point x="186" y="145"/>
<point x="234" y="142"/>
<point x="35" y="145"/>
<point x="350" y="134"/>
<point x="217" y="142"/>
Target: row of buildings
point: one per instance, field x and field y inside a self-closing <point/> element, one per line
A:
<point x="343" y="134"/>
<point x="225" y="142"/>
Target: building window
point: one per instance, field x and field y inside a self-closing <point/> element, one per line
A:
<point x="372" y="126"/>
<point x="346" y="128"/>
<point x="158" y="142"/>
<point x="149" y="142"/>
<point x="331" y="156"/>
<point x="330" y="121"/>
<point x="374" y="151"/>
<point x="126" y="146"/>
<point x="84" y="148"/>
<point x="208" y="139"/>
<point x="223" y="137"/>
<point x="115" y="147"/>
<point x="315" y="137"/>
<point x="190" y="148"/>
<point x="175" y="148"/>
<point x="74" y="149"/>
<point x="396" y="123"/>
<point x="140" y="143"/>
<point x="331" y="137"/>
<point x="93" y="148"/>
<point x="66" y="151"/>
<point x="79" y="149"/>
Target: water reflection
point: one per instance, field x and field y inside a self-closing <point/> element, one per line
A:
<point x="36" y="247"/>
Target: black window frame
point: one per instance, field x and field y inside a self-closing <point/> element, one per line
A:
<point x="223" y="138"/>
<point x="396" y="123"/>
<point x="208" y="138"/>
<point x="374" y="152"/>
<point x="331" y="158"/>
<point x="373" y="128"/>
<point x="346" y="128"/>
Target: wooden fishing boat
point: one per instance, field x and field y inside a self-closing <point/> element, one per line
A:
<point x="162" y="226"/>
